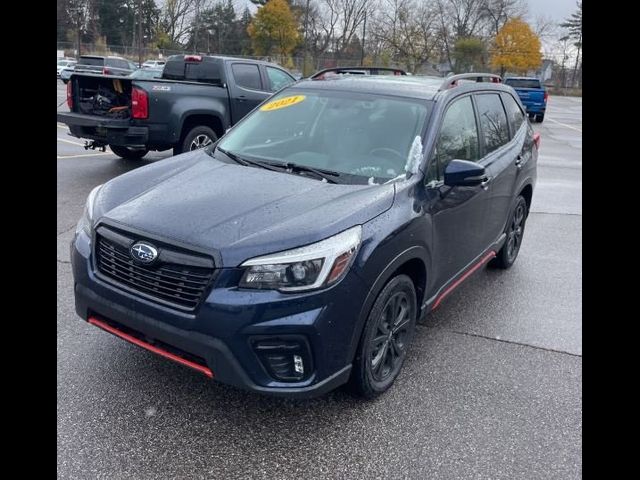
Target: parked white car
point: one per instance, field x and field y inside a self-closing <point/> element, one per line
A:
<point x="64" y="63"/>
<point x="154" y="64"/>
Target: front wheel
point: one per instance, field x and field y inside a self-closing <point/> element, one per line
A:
<point x="515" y="231"/>
<point x="129" y="153"/>
<point x="385" y="339"/>
<point x="196" y="138"/>
<point x="540" y="117"/>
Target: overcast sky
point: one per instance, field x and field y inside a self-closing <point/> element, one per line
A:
<point x="558" y="10"/>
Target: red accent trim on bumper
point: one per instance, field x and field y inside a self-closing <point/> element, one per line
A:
<point x="449" y="289"/>
<point x="151" y="348"/>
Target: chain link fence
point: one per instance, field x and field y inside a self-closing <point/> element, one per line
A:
<point x="561" y="77"/>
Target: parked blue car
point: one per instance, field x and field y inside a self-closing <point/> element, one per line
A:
<point x="297" y="253"/>
<point x="532" y="94"/>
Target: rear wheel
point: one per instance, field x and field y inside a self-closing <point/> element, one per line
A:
<point x="198" y="137"/>
<point x="515" y="231"/>
<point x="129" y="153"/>
<point x="385" y="339"/>
<point x="540" y="117"/>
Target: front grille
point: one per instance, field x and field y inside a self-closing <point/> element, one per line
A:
<point x="177" y="284"/>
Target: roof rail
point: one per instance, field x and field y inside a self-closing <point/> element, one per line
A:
<point x="320" y="75"/>
<point x="452" y="81"/>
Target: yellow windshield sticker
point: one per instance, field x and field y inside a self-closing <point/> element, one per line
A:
<point x="282" y="103"/>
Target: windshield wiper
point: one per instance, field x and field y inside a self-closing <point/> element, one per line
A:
<point x="322" y="173"/>
<point x="282" y="166"/>
<point x="246" y="162"/>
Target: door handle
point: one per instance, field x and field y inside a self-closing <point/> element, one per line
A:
<point x="485" y="183"/>
<point x="242" y="98"/>
<point x="519" y="161"/>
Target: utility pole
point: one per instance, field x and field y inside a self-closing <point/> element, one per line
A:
<point x="306" y="25"/>
<point x="79" y="23"/>
<point x="195" y="35"/>
<point x="364" y="34"/>
<point x="139" y="33"/>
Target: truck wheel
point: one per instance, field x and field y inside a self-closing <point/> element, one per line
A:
<point x="197" y="137"/>
<point x="129" y="153"/>
<point x="540" y="118"/>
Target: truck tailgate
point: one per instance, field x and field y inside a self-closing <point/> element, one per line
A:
<point x="84" y="120"/>
<point x="530" y="95"/>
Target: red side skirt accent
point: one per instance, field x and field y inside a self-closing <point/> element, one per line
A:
<point x="151" y="348"/>
<point x="488" y="256"/>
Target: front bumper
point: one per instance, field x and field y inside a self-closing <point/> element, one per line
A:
<point x="222" y="329"/>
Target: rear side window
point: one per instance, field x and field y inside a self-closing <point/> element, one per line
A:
<point x="117" y="63"/>
<point x="493" y="121"/>
<point x="458" y="138"/>
<point x="247" y="75"/>
<point x="523" y="82"/>
<point x="278" y="79"/>
<point x="516" y="116"/>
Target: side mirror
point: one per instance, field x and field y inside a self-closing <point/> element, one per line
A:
<point x="464" y="173"/>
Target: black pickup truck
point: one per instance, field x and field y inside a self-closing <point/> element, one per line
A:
<point x="197" y="99"/>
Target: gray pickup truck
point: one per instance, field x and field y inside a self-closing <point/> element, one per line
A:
<point x="197" y="99"/>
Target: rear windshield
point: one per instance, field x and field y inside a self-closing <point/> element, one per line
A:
<point x="523" y="82"/>
<point x="207" y="70"/>
<point x="99" y="61"/>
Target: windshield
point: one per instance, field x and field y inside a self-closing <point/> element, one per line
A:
<point x="522" y="82"/>
<point x="357" y="134"/>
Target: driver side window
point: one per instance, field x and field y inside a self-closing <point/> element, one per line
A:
<point x="458" y="138"/>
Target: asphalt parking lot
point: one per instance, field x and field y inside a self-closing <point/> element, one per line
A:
<point x="492" y="386"/>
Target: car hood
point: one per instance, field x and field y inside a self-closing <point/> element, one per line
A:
<point x="236" y="212"/>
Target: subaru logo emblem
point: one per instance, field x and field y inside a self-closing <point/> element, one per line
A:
<point x="143" y="252"/>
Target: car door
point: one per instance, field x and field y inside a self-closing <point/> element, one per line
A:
<point x="247" y="89"/>
<point x="277" y="79"/>
<point x="502" y="154"/>
<point x="457" y="213"/>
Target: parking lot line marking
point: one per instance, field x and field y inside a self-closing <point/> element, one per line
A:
<point x="71" y="142"/>
<point x="564" y="125"/>
<point x="83" y="155"/>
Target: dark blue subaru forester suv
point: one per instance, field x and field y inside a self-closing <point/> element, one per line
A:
<point x="297" y="253"/>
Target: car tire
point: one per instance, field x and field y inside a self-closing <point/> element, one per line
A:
<point x="129" y="153"/>
<point x="196" y="138"/>
<point x="507" y="255"/>
<point x="65" y="81"/>
<point x="381" y="351"/>
<point x="540" y="118"/>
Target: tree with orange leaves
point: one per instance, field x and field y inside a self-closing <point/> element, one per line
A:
<point x="516" y="48"/>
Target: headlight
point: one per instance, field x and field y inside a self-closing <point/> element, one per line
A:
<point x="86" y="221"/>
<point x="317" y="265"/>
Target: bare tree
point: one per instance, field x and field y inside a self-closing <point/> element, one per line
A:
<point x="352" y="14"/>
<point x="544" y="27"/>
<point x="176" y="19"/>
<point x="408" y="28"/>
<point x="498" y="12"/>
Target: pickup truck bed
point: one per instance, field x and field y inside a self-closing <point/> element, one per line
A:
<point x="194" y="103"/>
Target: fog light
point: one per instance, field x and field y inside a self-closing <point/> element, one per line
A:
<point x="298" y="366"/>
<point x="286" y="358"/>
